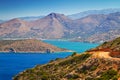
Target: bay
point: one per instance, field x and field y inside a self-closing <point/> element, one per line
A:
<point x="12" y="64"/>
<point x="74" y="46"/>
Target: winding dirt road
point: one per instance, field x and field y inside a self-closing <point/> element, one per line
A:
<point x="102" y="54"/>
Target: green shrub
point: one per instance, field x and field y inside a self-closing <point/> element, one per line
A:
<point x="57" y="59"/>
<point x="75" y="59"/>
<point x="93" y="68"/>
<point x="44" y="77"/>
<point x="109" y="74"/>
<point x="74" y="53"/>
<point x="73" y="77"/>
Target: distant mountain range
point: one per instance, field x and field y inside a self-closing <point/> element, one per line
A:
<point x="92" y="28"/>
<point x="95" y="28"/>
<point x="52" y="26"/>
<point x="76" y="15"/>
<point x="90" y="12"/>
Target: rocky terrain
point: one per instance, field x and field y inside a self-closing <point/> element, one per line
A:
<point x="113" y="47"/>
<point x="92" y="28"/>
<point x="94" y="64"/>
<point x="29" y="45"/>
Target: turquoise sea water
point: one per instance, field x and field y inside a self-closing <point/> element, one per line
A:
<point x="12" y="64"/>
<point x="75" y="46"/>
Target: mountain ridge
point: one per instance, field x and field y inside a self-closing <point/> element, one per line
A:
<point x="92" y="12"/>
<point x="58" y="26"/>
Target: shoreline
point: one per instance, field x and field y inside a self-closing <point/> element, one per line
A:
<point x="33" y="52"/>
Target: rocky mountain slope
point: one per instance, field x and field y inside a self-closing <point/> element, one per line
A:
<point x="98" y="28"/>
<point x="29" y="45"/>
<point x="92" y="28"/>
<point x="113" y="47"/>
<point x="51" y="26"/>
<point x="95" y="64"/>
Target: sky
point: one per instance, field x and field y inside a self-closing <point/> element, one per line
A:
<point x="20" y="8"/>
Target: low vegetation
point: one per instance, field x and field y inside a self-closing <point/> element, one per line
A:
<point x="55" y="70"/>
<point x="80" y="66"/>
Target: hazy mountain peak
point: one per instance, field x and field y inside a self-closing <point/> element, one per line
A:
<point x="52" y="14"/>
<point x="55" y="15"/>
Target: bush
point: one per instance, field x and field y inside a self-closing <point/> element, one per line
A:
<point x="44" y="77"/>
<point x="109" y="74"/>
<point x="73" y="77"/>
<point x="93" y="68"/>
<point x="75" y="59"/>
<point x="74" y="53"/>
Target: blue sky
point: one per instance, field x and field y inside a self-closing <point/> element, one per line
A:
<point x="19" y="8"/>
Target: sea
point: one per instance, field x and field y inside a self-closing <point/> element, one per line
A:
<point x="13" y="63"/>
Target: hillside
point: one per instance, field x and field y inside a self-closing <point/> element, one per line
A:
<point x="113" y="47"/>
<point x="29" y="45"/>
<point x="95" y="64"/>
<point x="51" y="26"/>
<point x="92" y="28"/>
<point x="98" y="28"/>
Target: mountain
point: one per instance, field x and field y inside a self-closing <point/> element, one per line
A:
<point x="98" y="28"/>
<point x="92" y="12"/>
<point x="51" y="26"/>
<point x="14" y="28"/>
<point x="97" y="64"/>
<point x="92" y="28"/>
<point x="28" y="45"/>
<point x="77" y="15"/>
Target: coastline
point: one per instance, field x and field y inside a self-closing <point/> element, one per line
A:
<point x="33" y="52"/>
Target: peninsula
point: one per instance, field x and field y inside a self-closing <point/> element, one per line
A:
<point x="28" y="45"/>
